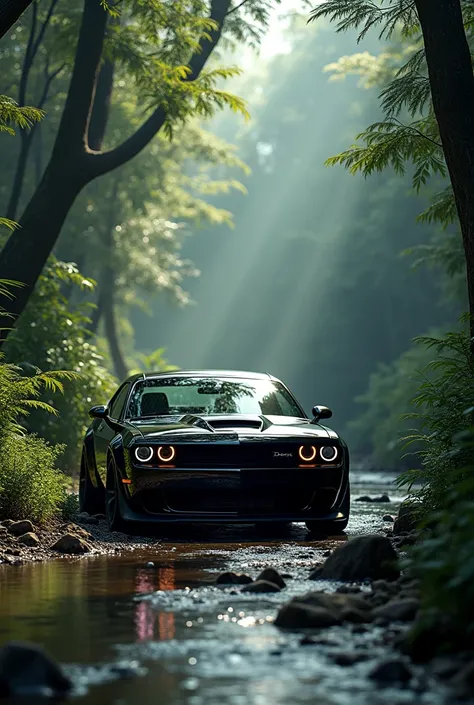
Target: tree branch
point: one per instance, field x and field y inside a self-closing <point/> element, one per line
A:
<point x="107" y="161"/>
<point x="73" y="128"/>
<point x="237" y="7"/>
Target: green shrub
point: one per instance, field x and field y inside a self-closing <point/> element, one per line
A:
<point x="70" y="506"/>
<point x="443" y="486"/>
<point x="65" y="345"/>
<point x="441" y="417"/>
<point x="30" y="484"/>
<point x="444" y="561"/>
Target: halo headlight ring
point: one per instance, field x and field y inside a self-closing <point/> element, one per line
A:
<point x="166" y="453"/>
<point x="329" y="453"/>
<point x="307" y="453"/>
<point x="143" y="454"/>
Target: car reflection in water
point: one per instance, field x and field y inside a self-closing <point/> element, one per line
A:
<point x="146" y="618"/>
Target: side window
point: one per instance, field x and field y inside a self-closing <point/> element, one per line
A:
<point x="118" y="401"/>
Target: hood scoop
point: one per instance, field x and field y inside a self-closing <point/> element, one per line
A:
<point x="236" y="422"/>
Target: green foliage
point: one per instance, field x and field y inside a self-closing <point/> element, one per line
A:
<point x="69" y="506"/>
<point x="12" y="114"/>
<point x="65" y="344"/>
<point x="444" y="560"/>
<point x="440" y="415"/>
<point x="408" y="134"/>
<point x="153" y="362"/>
<point x="30" y="484"/>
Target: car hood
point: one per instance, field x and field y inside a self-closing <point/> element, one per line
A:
<point x="227" y="428"/>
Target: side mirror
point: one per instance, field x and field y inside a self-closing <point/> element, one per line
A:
<point x="99" y="412"/>
<point x="321" y="412"/>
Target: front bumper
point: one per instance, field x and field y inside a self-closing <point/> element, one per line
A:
<point x="236" y="495"/>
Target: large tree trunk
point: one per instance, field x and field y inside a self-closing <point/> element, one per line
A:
<point x="452" y="89"/>
<point x="10" y="12"/>
<point x="73" y="163"/>
<point x="28" y="248"/>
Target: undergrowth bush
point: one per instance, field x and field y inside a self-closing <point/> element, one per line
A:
<point x="444" y="494"/>
<point x="440" y="417"/>
<point x="65" y="345"/>
<point x="31" y="486"/>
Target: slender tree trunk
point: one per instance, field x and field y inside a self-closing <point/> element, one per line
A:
<point x="19" y="177"/>
<point x="10" y="12"/>
<point x="452" y="89"/>
<point x="38" y="155"/>
<point x="110" y="325"/>
<point x="98" y="311"/>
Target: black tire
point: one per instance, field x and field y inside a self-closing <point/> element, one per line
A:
<point x="332" y="528"/>
<point x="112" y="509"/>
<point x="91" y="499"/>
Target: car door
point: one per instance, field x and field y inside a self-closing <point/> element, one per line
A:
<point x="104" y="433"/>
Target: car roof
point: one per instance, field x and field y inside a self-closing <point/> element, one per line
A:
<point x="203" y="373"/>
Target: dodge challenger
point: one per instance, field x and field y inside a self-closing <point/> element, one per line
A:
<point x="213" y="446"/>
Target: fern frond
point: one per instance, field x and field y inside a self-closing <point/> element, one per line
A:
<point x="363" y="15"/>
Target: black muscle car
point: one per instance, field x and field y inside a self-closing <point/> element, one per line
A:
<point x="212" y="446"/>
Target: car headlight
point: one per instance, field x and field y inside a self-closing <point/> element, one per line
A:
<point x="307" y="453"/>
<point x="329" y="453"/>
<point x="143" y="454"/>
<point x="166" y="453"/>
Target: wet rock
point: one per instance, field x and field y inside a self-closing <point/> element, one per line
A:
<point x="272" y="576"/>
<point x="29" y="539"/>
<point x="7" y="522"/>
<point x="297" y="615"/>
<point x="398" y="610"/>
<point x="26" y="669"/>
<point x="406" y="519"/>
<point x="13" y="551"/>
<point x="326" y="554"/>
<point x="17" y="528"/>
<point x="370" y="557"/>
<point x="68" y="543"/>
<point x="261" y="586"/>
<point x="287" y="576"/>
<point x="230" y="578"/>
<point x="378" y="500"/>
<point x="100" y="517"/>
<point x="126" y="670"/>
<point x="463" y="681"/>
<point x="75" y="530"/>
<point x="384" y="586"/>
<point x="355" y="616"/>
<point x="85" y="518"/>
<point x="319" y="609"/>
<point x="348" y="658"/>
<point x="408" y="540"/>
<point x="349" y="589"/>
<point x="391" y="671"/>
<point x="388" y="517"/>
<point x="150" y="564"/>
<point x="445" y="667"/>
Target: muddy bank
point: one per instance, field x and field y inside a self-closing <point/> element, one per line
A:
<point x="24" y="541"/>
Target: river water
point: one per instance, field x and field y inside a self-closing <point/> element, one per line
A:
<point x="184" y="641"/>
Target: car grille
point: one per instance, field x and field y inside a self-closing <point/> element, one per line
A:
<point x="243" y="455"/>
<point x="219" y="501"/>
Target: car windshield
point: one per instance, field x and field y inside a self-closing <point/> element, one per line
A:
<point x="186" y="395"/>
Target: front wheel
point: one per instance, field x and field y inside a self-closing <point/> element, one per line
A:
<point x="327" y="528"/>
<point x="112" y="509"/>
<point x="332" y="528"/>
<point x="91" y="499"/>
